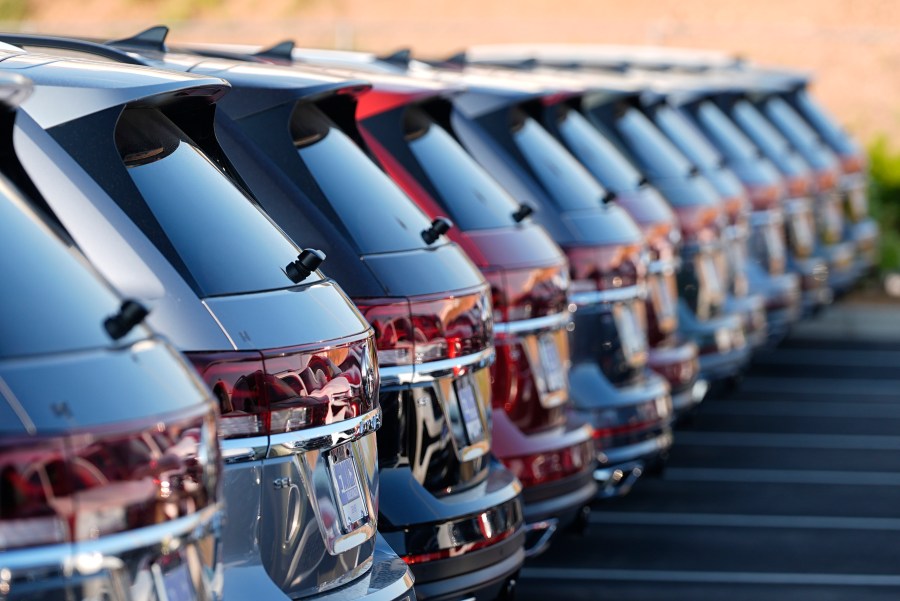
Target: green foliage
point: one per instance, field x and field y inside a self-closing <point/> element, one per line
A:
<point x="884" y="198"/>
<point x="13" y="10"/>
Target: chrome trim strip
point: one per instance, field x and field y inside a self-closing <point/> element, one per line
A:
<point x="219" y="323"/>
<point x="424" y="373"/>
<point x="608" y="296"/>
<point x="66" y="555"/>
<point x="663" y="267"/>
<point x="240" y="450"/>
<point x="533" y="325"/>
<point x="324" y="437"/>
<point x="767" y="217"/>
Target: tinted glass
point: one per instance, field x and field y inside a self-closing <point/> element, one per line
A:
<point x="798" y="132"/>
<point x="378" y="215"/>
<point x="760" y="130"/>
<point x="824" y="123"/>
<point x="51" y="301"/>
<point x="471" y="197"/>
<point x="651" y="148"/>
<point x="721" y="130"/>
<point x="228" y="245"/>
<point x="569" y="184"/>
<point x="686" y="137"/>
<point x="597" y="153"/>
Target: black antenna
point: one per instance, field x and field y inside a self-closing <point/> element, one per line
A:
<point x="402" y="57"/>
<point x="439" y="226"/>
<point x="153" y="38"/>
<point x="522" y="212"/>
<point x="307" y="262"/>
<point x="130" y="314"/>
<point x="282" y="51"/>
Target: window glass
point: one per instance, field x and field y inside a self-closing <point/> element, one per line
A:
<point x="570" y="185"/>
<point x="378" y="215"/>
<point x="52" y="301"/>
<point x="471" y="197"/>
<point x="228" y="245"/>
<point x="597" y="153"/>
<point x="651" y="148"/>
<point x="686" y="137"/>
<point x="825" y="123"/>
<point x="722" y="130"/>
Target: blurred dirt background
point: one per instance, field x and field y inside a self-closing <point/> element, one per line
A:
<point x="853" y="46"/>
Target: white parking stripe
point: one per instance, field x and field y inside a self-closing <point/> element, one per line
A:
<point x="838" y="478"/>
<point x="851" y="386"/>
<point x="725" y="520"/>
<point x="738" y="407"/>
<point x="788" y="441"/>
<point x="830" y="358"/>
<point x="698" y="577"/>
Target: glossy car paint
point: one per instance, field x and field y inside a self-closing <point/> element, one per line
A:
<point x="529" y="278"/>
<point x="277" y="487"/>
<point x="109" y="469"/>
<point x="424" y="449"/>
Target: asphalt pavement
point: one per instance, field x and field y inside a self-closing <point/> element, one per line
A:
<point x="789" y="488"/>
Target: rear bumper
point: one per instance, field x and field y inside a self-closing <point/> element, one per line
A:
<point x="680" y="366"/>
<point x="721" y="366"/>
<point x="389" y="579"/>
<point x="841" y="259"/>
<point x="752" y="311"/>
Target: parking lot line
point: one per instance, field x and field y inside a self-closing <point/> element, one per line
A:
<point x="830" y="358"/>
<point x="788" y="440"/>
<point x="727" y="520"/>
<point x="837" y="478"/>
<point x="824" y="386"/>
<point x="737" y="407"/>
<point x="700" y="577"/>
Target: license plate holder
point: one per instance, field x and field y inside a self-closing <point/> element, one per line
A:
<point x="554" y="373"/>
<point x="468" y="408"/>
<point x="347" y="488"/>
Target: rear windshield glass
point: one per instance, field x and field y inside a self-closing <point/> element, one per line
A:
<point x="656" y="154"/>
<point x="762" y="132"/>
<point x="597" y="153"/>
<point x="227" y="244"/>
<point x="470" y="196"/>
<point x="686" y="137"/>
<point x="378" y="215"/>
<point x="824" y="123"/>
<point x="726" y="135"/>
<point x="52" y="302"/>
<point x="569" y="184"/>
<point x="798" y="132"/>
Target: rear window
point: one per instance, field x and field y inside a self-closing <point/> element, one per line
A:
<point x="686" y="137"/>
<point x="227" y="244"/>
<point x="650" y="147"/>
<point x="569" y="184"/>
<point x="470" y="196"/>
<point x="597" y="153"/>
<point x="52" y="302"/>
<point x="376" y="212"/>
<point x="798" y="132"/>
<point x="825" y="123"/>
<point x="764" y="134"/>
<point x="722" y="130"/>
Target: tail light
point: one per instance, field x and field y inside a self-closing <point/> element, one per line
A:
<point x="111" y="479"/>
<point x="487" y="537"/>
<point x="799" y="186"/>
<point x="852" y="163"/>
<point x="699" y="223"/>
<point x="765" y="197"/>
<point x="735" y="207"/>
<point x="520" y="294"/>
<point x="285" y="390"/>
<point x="826" y="180"/>
<point x="425" y="330"/>
<point x="678" y="373"/>
<point x="548" y="466"/>
<point x="600" y="268"/>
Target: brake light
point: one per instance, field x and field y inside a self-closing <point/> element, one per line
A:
<point x="764" y="197"/>
<point x="284" y="390"/>
<point x="852" y="163"/>
<point x="549" y="466"/>
<point x="605" y="267"/>
<point x="826" y="179"/>
<point x="421" y="331"/>
<point x="735" y="207"/>
<point x="458" y="549"/>
<point x="799" y="186"/>
<point x="111" y="479"/>
<point x="700" y="223"/>
<point x="519" y="294"/>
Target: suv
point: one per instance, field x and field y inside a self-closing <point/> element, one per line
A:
<point x="129" y="165"/>
<point x="110" y="472"/>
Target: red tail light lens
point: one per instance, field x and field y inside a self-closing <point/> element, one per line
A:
<point x="458" y="550"/>
<point x="549" y="466"/>
<point x="826" y="180"/>
<point x="852" y="163"/>
<point x="90" y="484"/>
<point x="520" y="294"/>
<point x="700" y="224"/>
<point x="764" y="198"/>
<point x="605" y="267"/>
<point x="799" y="186"/>
<point x="284" y="390"/>
<point x="427" y="330"/>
